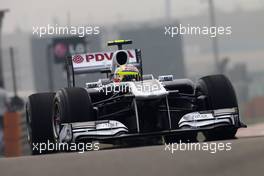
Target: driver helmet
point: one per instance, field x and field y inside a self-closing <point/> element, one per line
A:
<point x="126" y="72"/>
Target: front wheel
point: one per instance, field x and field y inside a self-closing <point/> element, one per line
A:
<point x="221" y="133"/>
<point x="71" y="105"/>
<point x="220" y="94"/>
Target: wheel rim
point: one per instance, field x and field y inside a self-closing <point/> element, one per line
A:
<point x="56" y="121"/>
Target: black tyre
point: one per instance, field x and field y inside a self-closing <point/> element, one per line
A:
<point x="39" y="124"/>
<point x="71" y="105"/>
<point x="220" y="94"/>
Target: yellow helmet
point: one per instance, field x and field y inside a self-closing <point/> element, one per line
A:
<point x="126" y="72"/>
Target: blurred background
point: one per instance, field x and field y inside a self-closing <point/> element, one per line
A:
<point x="29" y="63"/>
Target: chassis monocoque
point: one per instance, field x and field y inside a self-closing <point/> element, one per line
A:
<point x="176" y="109"/>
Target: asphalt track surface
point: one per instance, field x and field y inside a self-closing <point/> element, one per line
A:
<point x="245" y="158"/>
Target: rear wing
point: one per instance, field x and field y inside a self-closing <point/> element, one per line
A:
<point x="96" y="62"/>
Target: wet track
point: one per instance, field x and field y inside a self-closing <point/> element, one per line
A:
<point x="245" y="158"/>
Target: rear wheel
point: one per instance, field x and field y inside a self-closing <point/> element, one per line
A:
<point x="71" y="105"/>
<point x="219" y="94"/>
<point x="38" y="115"/>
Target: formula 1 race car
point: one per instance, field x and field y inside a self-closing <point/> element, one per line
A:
<point x="129" y="104"/>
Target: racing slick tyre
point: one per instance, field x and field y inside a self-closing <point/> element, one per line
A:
<point x="38" y="116"/>
<point x="220" y="94"/>
<point x="71" y="105"/>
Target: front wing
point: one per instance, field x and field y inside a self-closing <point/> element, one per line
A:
<point x="107" y="130"/>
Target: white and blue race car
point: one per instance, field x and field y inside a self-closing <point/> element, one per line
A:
<point x="175" y="109"/>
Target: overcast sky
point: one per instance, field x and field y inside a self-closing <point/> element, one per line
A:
<point x="27" y="13"/>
